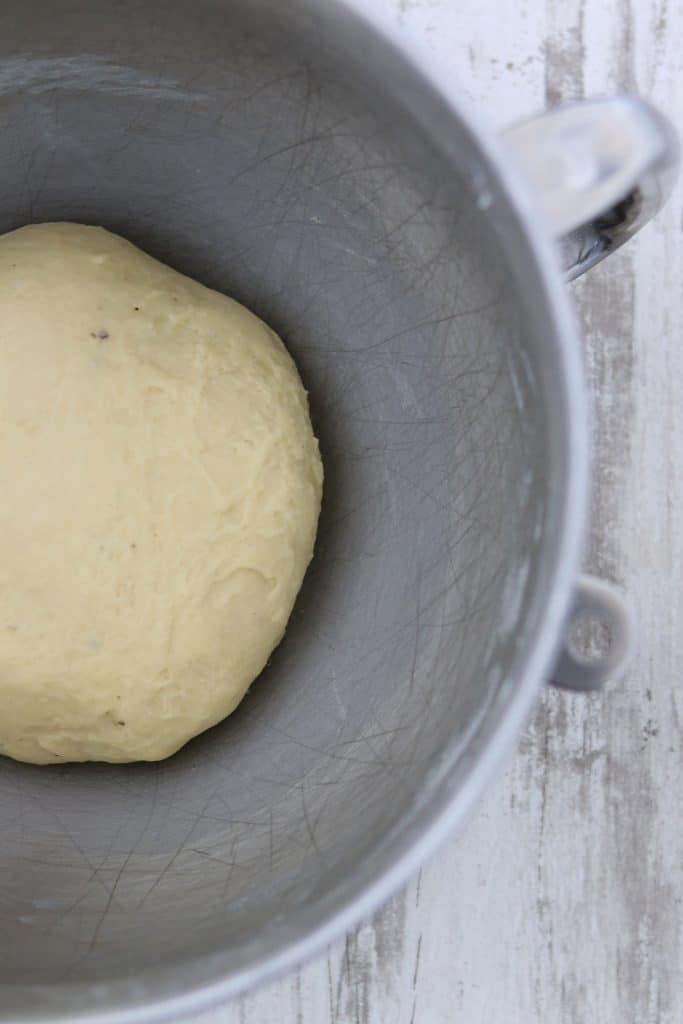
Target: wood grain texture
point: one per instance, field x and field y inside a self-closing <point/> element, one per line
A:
<point x="562" y="901"/>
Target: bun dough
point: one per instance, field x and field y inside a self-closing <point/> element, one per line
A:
<point x="161" y="487"/>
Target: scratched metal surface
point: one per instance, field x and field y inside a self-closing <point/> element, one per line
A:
<point x="444" y="483"/>
<point x="563" y="899"/>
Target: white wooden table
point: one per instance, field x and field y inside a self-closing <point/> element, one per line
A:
<point x="562" y="901"/>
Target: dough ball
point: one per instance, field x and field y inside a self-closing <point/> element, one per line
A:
<point x="161" y="487"/>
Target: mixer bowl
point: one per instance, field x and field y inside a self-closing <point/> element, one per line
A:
<point x="308" y="165"/>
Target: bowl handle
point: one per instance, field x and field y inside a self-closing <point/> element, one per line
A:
<point x="599" y="170"/>
<point x="596" y="602"/>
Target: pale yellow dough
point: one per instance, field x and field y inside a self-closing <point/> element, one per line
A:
<point x="160" y="485"/>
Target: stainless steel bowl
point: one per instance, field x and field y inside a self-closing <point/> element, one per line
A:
<point x="303" y="159"/>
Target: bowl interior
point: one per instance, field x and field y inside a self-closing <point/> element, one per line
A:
<point x="275" y="163"/>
